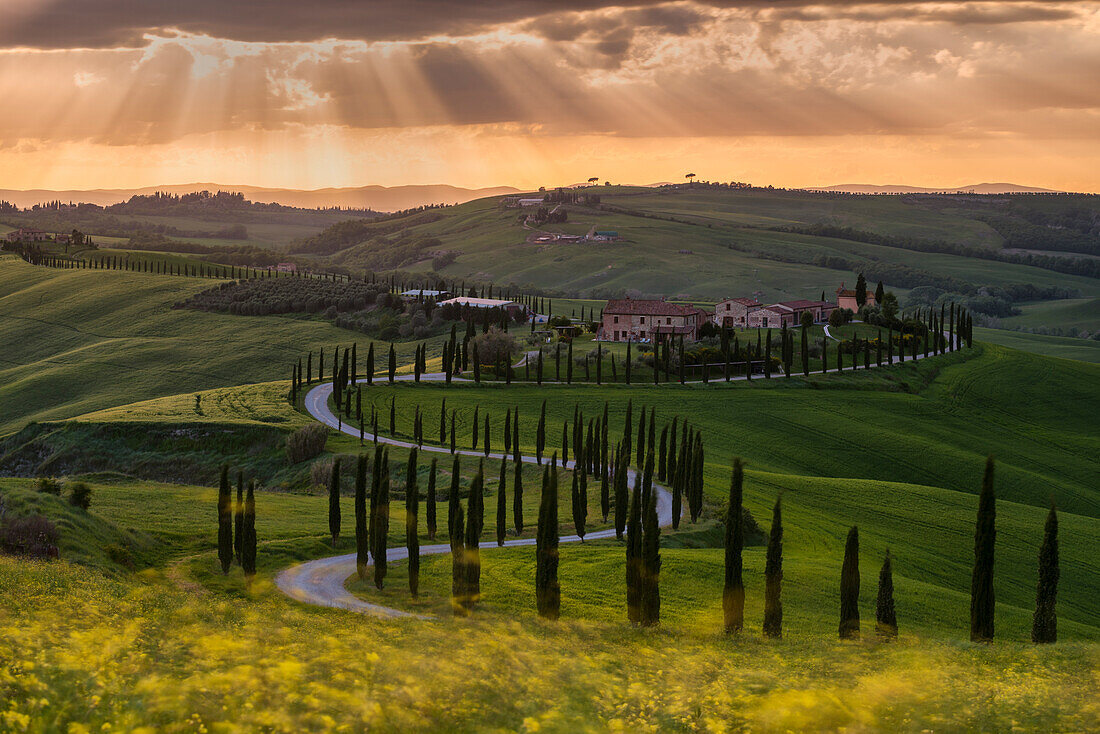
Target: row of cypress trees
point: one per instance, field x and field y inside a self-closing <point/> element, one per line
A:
<point x="237" y="526"/>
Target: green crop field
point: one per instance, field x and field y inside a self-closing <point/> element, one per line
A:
<point x="1064" y="347"/>
<point x="81" y="340"/>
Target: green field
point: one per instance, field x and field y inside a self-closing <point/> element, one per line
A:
<point x="82" y="340"/>
<point x="1072" y="314"/>
<point x="1064" y="347"/>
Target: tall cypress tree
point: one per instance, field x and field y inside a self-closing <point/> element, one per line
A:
<point x="886" y="618"/>
<point x="453" y="505"/>
<point x="634" y="554"/>
<point x="540" y="434"/>
<point x="547" y="589"/>
<point x="981" y="583"/>
<point x="474" y="523"/>
<point x="650" y="596"/>
<point x="1044" y="624"/>
<point x="248" y="535"/>
<point x="849" y="588"/>
<point x="621" y="493"/>
<point x="579" y="503"/>
<point x="412" y="530"/>
<point x="362" y="537"/>
<point x="392" y="366"/>
<point x="382" y="521"/>
<point x="641" y="438"/>
<point x="502" y="502"/>
<point x="773" y="575"/>
<point x="517" y="497"/>
<point x="334" y="502"/>
<point x="475" y="427"/>
<point x="225" y="521"/>
<point x="662" y="454"/>
<point x="457" y="527"/>
<point x="370" y="364"/>
<point x="238" y="518"/>
<point x="430" y="518"/>
<point x="733" y="591"/>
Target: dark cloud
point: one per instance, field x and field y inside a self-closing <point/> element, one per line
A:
<point x="115" y="23"/>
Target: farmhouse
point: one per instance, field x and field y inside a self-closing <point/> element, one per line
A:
<point x="732" y="312"/>
<point x="629" y="319"/>
<point x="847" y="299"/>
<point x="789" y="313"/>
<point x="28" y="234"/>
<point x="514" y="309"/>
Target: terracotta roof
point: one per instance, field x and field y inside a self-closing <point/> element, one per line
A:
<point x="638" y="307"/>
<point x="478" y="302"/>
<point x="842" y="293"/>
<point x="743" y="301"/>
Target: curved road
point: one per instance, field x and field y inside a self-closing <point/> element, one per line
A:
<point x="321" y="582"/>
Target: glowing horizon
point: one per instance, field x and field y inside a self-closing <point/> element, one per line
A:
<point x="791" y="94"/>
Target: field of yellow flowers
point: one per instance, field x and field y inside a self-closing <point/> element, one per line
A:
<point x="83" y="652"/>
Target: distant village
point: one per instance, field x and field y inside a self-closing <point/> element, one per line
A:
<point x="651" y="320"/>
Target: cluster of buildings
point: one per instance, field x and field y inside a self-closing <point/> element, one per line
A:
<point x="30" y="234"/>
<point x="631" y="319"/>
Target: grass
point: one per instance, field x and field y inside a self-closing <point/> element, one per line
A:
<point x="1063" y="347"/>
<point x="77" y="341"/>
<point x="88" y="651"/>
<point x="1072" y="313"/>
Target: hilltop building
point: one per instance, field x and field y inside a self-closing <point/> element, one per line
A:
<point x="733" y="312"/>
<point x="514" y="309"/>
<point x="847" y="299"/>
<point x="629" y="319"/>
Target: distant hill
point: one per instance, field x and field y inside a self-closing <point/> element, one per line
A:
<point x="378" y="198"/>
<point x="982" y="188"/>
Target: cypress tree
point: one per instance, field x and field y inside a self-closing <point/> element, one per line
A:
<point x="641" y="438"/>
<point x="849" y="588"/>
<point x="515" y="436"/>
<point x="508" y="432"/>
<point x="412" y="531"/>
<point x="454" y="436"/>
<point x="733" y="592"/>
<point x="650" y="596"/>
<point x="886" y="618"/>
<point x="392" y="367"/>
<point x="627" y="428"/>
<point x="334" y="502"/>
<point x="393" y="415"/>
<point x="248" y="552"/>
<point x="540" y="434"/>
<point x="488" y="436"/>
<point x="547" y="589"/>
<point x="453" y="506"/>
<point x="502" y="502"/>
<point x="981" y="583"/>
<point x="634" y="555"/>
<point x="430" y="518"/>
<point x="362" y="538"/>
<point x="805" y="350"/>
<point x="621" y="495"/>
<point x="475" y="426"/>
<point x="773" y="575"/>
<point x="475" y="511"/>
<point x="382" y="521"/>
<point x="517" y="497"/>
<point x="605" y="495"/>
<point x="564" y="444"/>
<point x="569" y="363"/>
<point x="238" y="518"/>
<point x="459" y="605"/>
<point x="1044" y="624"/>
<point x="579" y="503"/>
<point x="370" y="364"/>
<point x="662" y="454"/>
<point x="225" y="522"/>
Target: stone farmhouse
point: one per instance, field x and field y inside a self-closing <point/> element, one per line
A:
<point x="733" y="312"/>
<point x="28" y="234"/>
<point x="630" y="319"/>
<point x="847" y="299"/>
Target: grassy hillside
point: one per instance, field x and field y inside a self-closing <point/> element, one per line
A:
<point x="705" y="244"/>
<point x="82" y="340"/>
<point x="1064" y="347"/>
<point x="1074" y="314"/>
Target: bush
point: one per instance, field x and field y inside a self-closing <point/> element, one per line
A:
<point x="80" y="495"/>
<point x="306" y="443"/>
<point x="493" y="346"/>
<point x="839" y="317"/>
<point x="48" y="485"/>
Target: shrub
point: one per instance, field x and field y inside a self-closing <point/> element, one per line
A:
<point x="48" y="485"/>
<point x="320" y="472"/>
<point x="493" y="346"/>
<point x="306" y="443"/>
<point x="80" y="495"/>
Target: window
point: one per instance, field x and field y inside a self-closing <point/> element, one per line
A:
<point x="643" y="320"/>
<point x="668" y="320"/>
<point x="616" y="320"/>
<point x="727" y="307"/>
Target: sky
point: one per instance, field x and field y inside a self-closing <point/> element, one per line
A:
<point x="319" y="93"/>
